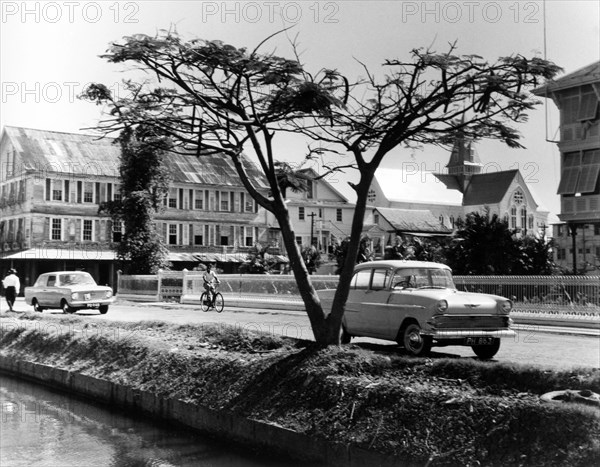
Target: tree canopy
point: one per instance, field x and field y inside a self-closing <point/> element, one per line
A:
<point x="208" y="96"/>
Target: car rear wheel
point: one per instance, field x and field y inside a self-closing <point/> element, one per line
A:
<point x="66" y="308"/>
<point x="485" y="352"/>
<point x="413" y="342"/>
<point x="103" y="309"/>
<point x="36" y="306"/>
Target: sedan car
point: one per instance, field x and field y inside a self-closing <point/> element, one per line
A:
<point x="69" y="291"/>
<point x="417" y="305"/>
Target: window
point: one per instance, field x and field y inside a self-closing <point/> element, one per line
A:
<point x="172" y="200"/>
<point x="513" y="217"/>
<point x="596" y="229"/>
<point x="524" y="217"/>
<point x="51" y="281"/>
<point x="57" y="189"/>
<point x="588" y="106"/>
<point x="172" y="234"/>
<point x="518" y="197"/>
<point x="224" y="205"/>
<point x="531" y="221"/>
<point x="299" y="241"/>
<point x="117" y="232"/>
<point x="248" y="236"/>
<point x="361" y="279"/>
<point x="376" y="218"/>
<point x="338" y="214"/>
<point x="88" y="227"/>
<point x="56" y="229"/>
<point x="88" y="192"/>
<point x="380" y="280"/>
<point x="198" y="199"/>
<point x="310" y="186"/>
<point x="301" y="213"/>
<point x="248" y="203"/>
<point x="580" y="172"/>
<point x="371" y="196"/>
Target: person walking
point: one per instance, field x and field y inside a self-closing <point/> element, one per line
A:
<point x="12" y="285"/>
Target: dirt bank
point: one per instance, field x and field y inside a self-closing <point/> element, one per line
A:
<point x="429" y="411"/>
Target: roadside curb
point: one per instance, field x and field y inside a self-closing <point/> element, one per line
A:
<point x="220" y="423"/>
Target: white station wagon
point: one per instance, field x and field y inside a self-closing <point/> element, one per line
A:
<point x="69" y="291"/>
<point x="417" y="305"/>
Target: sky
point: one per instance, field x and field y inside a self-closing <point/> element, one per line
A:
<point x="49" y="53"/>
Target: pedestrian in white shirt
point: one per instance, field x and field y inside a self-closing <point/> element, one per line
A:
<point x="12" y="285"/>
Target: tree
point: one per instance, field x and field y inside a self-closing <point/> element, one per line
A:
<point x="482" y="245"/>
<point x="144" y="186"/>
<point x="535" y="256"/>
<point x="222" y="99"/>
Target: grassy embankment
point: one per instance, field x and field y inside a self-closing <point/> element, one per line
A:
<point x="435" y="411"/>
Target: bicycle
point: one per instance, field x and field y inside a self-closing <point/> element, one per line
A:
<point x="217" y="303"/>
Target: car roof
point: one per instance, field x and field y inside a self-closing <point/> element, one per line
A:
<point x="64" y="272"/>
<point x="400" y="263"/>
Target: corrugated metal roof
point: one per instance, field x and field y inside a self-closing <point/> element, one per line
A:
<point x="411" y="220"/>
<point x="585" y="75"/>
<point x="416" y="187"/>
<point x="89" y="155"/>
<point x="488" y="188"/>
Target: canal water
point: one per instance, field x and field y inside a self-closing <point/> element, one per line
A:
<point x="42" y="427"/>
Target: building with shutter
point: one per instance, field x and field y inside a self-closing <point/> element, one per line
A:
<point x="577" y="97"/>
<point x="52" y="184"/>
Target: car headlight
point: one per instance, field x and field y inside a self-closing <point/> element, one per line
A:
<point x="441" y="306"/>
<point x="75" y="296"/>
<point x="108" y="293"/>
<point x="506" y="306"/>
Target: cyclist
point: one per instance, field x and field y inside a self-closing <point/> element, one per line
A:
<point x="210" y="279"/>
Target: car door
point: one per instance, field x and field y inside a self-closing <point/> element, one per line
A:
<point x="354" y="318"/>
<point x="375" y="303"/>
<point x="51" y="292"/>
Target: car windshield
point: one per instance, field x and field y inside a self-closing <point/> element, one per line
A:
<point x="76" y="279"/>
<point x="423" y="278"/>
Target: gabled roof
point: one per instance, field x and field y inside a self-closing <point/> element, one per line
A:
<point x="311" y="172"/>
<point x="586" y="75"/>
<point x="488" y="188"/>
<point x="85" y="155"/>
<point x="415" y="187"/>
<point x="411" y="220"/>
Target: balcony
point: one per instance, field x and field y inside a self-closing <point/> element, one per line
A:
<point x="580" y="208"/>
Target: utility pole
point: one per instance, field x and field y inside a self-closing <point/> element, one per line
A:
<point x="312" y="227"/>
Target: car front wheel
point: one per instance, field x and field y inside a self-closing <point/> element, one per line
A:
<point x="66" y="308"/>
<point x="103" y="309"/>
<point x="36" y="306"/>
<point x="485" y="352"/>
<point x="413" y="342"/>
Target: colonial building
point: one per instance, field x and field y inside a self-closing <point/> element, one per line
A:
<point x="577" y="95"/>
<point x="51" y="186"/>
<point x="422" y="203"/>
<point x="320" y="214"/>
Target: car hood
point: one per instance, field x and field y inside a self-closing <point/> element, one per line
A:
<point x="458" y="302"/>
<point x="87" y="287"/>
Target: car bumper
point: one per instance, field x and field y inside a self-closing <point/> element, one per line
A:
<point x="457" y="333"/>
<point x="91" y="303"/>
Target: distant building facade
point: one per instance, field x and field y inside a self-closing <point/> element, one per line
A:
<point x="51" y="186"/>
<point x="577" y="97"/>
<point x="320" y="215"/>
<point x="419" y="203"/>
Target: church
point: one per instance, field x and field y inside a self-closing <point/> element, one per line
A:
<point x="418" y="203"/>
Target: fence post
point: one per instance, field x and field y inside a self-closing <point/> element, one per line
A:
<point x="159" y="275"/>
<point x="119" y="273"/>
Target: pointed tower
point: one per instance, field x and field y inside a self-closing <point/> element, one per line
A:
<point x="463" y="164"/>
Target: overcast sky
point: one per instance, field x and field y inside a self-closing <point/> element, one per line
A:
<point x="50" y="50"/>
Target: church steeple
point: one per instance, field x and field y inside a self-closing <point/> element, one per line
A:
<point x="463" y="164"/>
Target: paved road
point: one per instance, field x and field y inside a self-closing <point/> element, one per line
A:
<point x="552" y="348"/>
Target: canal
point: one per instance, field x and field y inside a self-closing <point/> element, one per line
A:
<point x="43" y="427"/>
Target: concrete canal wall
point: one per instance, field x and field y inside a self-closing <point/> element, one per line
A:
<point x="223" y="424"/>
